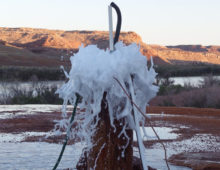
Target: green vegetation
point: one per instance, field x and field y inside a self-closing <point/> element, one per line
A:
<point x="12" y="73"/>
<point x="187" y="70"/>
<point x="47" y="96"/>
<point x="41" y="95"/>
<point x="166" y="87"/>
<point x="21" y="73"/>
<point x="169" y="94"/>
<point x="168" y="103"/>
<point x="172" y="89"/>
<point x="204" y="96"/>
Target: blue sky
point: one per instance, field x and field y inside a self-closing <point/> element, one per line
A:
<point x="165" y="22"/>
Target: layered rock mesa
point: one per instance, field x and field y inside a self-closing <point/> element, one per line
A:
<point x="43" y="47"/>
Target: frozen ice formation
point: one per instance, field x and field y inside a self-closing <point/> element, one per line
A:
<point x="92" y="73"/>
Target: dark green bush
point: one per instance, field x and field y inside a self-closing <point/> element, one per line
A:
<point x="172" y="89"/>
<point x="198" y="101"/>
<point x="187" y="70"/>
<point x="45" y="96"/>
<point x="168" y="103"/>
<point x="9" y="73"/>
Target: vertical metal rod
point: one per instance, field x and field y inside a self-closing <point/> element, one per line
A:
<point x="118" y="27"/>
<point x="111" y="43"/>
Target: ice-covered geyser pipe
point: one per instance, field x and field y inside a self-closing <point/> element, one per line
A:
<point x="107" y="125"/>
<point x="92" y="74"/>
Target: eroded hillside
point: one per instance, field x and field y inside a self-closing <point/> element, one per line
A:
<point x="42" y="47"/>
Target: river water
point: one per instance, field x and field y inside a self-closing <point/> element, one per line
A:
<point x="10" y="88"/>
<point x="194" y="81"/>
<point x="6" y="88"/>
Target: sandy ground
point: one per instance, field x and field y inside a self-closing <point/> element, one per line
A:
<point x="191" y="136"/>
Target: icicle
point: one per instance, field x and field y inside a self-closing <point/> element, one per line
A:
<point x="66" y="74"/>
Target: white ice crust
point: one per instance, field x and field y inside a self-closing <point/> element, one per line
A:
<point x="92" y="73"/>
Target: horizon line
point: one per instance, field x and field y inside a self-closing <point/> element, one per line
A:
<point x="54" y="29"/>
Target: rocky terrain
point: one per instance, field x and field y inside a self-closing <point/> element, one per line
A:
<point x="42" y="47"/>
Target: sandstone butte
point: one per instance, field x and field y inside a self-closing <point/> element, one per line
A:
<point x="43" y="47"/>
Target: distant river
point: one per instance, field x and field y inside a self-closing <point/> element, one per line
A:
<point x="195" y="80"/>
<point x="6" y="87"/>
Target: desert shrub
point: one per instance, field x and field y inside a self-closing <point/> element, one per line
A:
<point x="218" y="104"/>
<point x="196" y="101"/>
<point x="39" y="93"/>
<point x="4" y="93"/>
<point x="213" y="97"/>
<point x="168" y="103"/>
<point x="187" y="70"/>
<point x="46" y="96"/>
<point x="206" y="95"/>
<point x="50" y="97"/>
<point x="202" y="98"/>
<point x="166" y="81"/>
<point x="167" y="87"/>
<point x="167" y="90"/>
<point x="189" y="86"/>
<point x="209" y="81"/>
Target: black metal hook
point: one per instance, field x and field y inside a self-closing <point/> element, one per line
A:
<point x="118" y="27"/>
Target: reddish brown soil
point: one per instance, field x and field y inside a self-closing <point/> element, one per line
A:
<point x="197" y="161"/>
<point x="200" y="121"/>
<point x="204" y="120"/>
<point x="184" y="111"/>
<point x="28" y="123"/>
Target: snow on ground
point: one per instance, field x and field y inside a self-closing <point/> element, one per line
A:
<point x="155" y="159"/>
<point x="41" y="155"/>
<point x="163" y="132"/>
<point x="37" y="156"/>
<point x="19" y="137"/>
<point x="12" y="111"/>
<point x="198" y="143"/>
<point x="6" y="88"/>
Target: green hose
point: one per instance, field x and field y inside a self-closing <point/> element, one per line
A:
<point x="67" y="137"/>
